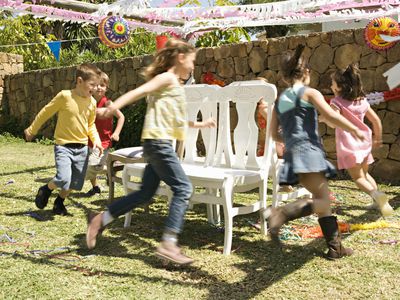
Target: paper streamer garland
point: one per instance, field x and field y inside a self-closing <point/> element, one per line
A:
<point x="114" y="32"/>
<point x="385" y="26"/>
<point x="307" y="231"/>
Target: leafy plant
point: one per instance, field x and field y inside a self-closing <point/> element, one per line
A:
<point x="26" y="30"/>
<point x="220" y="37"/>
<point x="134" y="118"/>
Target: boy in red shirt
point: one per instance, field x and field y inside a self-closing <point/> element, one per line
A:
<point x="104" y="127"/>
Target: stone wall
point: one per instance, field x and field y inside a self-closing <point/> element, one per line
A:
<point x="9" y="64"/>
<point x="28" y="92"/>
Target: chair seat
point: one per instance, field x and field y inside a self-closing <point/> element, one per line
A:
<point x="116" y="161"/>
<point x="131" y="152"/>
<point x="197" y="172"/>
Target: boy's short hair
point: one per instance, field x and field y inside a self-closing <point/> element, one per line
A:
<point x="87" y="71"/>
<point x="104" y="78"/>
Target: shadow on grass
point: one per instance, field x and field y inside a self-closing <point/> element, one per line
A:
<point x="27" y="170"/>
<point x="44" y="180"/>
<point x="41" y="216"/>
<point x="263" y="263"/>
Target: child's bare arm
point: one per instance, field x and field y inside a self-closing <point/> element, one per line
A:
<point x="158" y="82"/>
<point x="263" y="108"/>
<point x="209" y="123"/>
<point x="324" y="120"/>
<point x="120" y="123"/>
<point x="316" y="98"/>
<point x="276" y="136"/>
<point x="376" y="127"/>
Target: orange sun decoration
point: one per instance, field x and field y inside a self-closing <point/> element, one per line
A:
<point x="378" y="26"/>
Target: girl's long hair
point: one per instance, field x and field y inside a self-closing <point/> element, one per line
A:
<point x="166" y="57"/>
<point x="349" y="82"/>
<point x="293" y="65"/>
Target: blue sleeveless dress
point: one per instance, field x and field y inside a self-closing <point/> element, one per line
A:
<point x="304" y="152"/>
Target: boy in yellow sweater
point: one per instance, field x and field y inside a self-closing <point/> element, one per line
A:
<point x="76" y="111"/>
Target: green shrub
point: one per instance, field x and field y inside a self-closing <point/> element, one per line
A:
<point x="6" y="137"/>
<point x="10" y="125"/>
<point x="132" y="130"/>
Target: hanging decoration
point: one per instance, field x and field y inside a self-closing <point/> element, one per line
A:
<point x="393" y="76"/>
<point x="198" y="19"/>
<point x="381" y="26"/>
<point x="161" y="40"/>
<point x="209" y="78"/>
<point x="55" y="47"/>
<point x="114" y="32"/>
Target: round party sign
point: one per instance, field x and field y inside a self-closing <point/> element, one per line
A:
<point x="114" y="31"/>
<point x="381" y="26"/>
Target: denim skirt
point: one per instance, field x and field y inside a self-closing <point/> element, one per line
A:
<point x="304" y="157"/>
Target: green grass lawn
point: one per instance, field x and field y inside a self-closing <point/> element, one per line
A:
<point x="47" y="258"/>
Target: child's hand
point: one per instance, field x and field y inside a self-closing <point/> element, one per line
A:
<point x="209" y="123"/>
<point x="376" y="143"/>
<point x="28" y="136"/>
<point x="358" y="134"/>
<point x="115" y="137"/>
<point x="98" y="145"/>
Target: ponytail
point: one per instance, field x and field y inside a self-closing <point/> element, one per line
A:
<point x="349" y="82"/>
<point x="293" y="66"/>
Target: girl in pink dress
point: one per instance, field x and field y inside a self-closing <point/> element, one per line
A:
<point x="355" y="155"/>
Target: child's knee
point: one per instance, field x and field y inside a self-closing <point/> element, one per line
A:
<point x="322" y="206"/>
<point x="185" y="190"/>
<point x="62" y="183"/>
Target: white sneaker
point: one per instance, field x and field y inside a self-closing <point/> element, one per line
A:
<point x="382" y="200"/>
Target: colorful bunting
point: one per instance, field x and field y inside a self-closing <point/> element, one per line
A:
<point x="55" y="47"/>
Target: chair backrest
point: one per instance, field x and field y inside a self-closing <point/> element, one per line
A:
<point x="242" y="153"/>
<point x="201" y="98"/>
<point x="214" y="101"/>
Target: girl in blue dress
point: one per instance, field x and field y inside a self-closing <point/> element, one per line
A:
<point x="296" y="111"/>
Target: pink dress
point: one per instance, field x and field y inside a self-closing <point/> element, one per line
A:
<point x="349" y="150"/>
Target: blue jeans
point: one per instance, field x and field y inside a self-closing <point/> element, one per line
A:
<point x="162" y="164"/>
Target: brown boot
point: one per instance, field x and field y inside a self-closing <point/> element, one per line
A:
<point x="276" y="217"/>
<point x="330" y="229"/>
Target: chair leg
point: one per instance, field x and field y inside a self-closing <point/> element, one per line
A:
<point x="110" y="175"/>
<point x="210" y="214"/>
<point x="228" y="219"/>
<point x="262" y="192"/>
<point x="128" y="218"/>
<point x="226" y="194"/>
<point x="125" y="179"/>
<point x="275" y="183"/>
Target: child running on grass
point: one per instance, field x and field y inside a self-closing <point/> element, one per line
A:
<point x="105" y="129"/>
<point x="352" y="154"/>
<point x="76" y="111"/>
<point x="165" y="121"/>
<point x="304" y="157"/>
